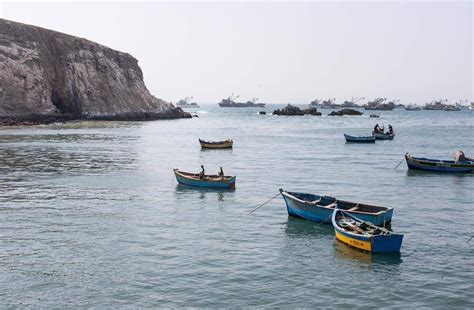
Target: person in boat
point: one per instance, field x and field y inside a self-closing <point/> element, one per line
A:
<point x="221" y="173"/>
<point x="376" y="128"/>
<point x="390" y="129"/>
<point x="459" y="157"/>
<point x="202" y="173"/>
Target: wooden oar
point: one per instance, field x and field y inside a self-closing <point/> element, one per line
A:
<point x="265" y="202"/>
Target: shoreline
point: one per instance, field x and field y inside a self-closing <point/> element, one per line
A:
<point x="46" y="119"/>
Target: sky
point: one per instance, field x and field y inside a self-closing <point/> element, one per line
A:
<point x="278" y="51"/>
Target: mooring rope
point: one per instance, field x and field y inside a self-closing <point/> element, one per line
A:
<point x="399" y="163"/>
<point x="266" y="202"/>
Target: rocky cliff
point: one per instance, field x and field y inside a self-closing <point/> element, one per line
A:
<point x="47" y="75"/>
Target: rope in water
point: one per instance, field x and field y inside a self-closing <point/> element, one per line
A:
<point x="266" y="202"/>
<point x="470" y="239"/>
<point x="399" y="163"/>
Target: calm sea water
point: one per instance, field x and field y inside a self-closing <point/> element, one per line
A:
<point x="91" y="215"/>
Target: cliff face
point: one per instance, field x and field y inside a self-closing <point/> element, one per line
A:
<point x="45" y="73"/>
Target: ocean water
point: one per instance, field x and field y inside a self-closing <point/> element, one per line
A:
<point x="91" y="214"/>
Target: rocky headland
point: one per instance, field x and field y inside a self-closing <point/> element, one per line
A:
<point x="47" y="76"/>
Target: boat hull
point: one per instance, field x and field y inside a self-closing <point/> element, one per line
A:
<point x="434" y="165"/>
<point x="217" y="145"/>
<point x="321" y="214"/>
<point x="370" y="243"/>
<point x="373" y="244"/>
<point x="241" y="105"/>
<point x="383" y="136"/>
<point x="206" y="182"/>
<point x="359" y="139"/>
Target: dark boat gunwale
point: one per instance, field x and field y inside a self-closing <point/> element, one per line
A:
<point x="348" y="204"/>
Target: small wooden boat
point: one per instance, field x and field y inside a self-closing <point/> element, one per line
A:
<point x="437" y="165"/>
<point x="363" y="235"/>
<point x="226" y="144"/>
<point x="374" y="116"/>
<point x="359" y="139"/>
<point x="211" y="181"/>
<point x="384" y="136"/>
<point x="318" y="208"/>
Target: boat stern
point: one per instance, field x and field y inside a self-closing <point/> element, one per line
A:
<point x="387" y="243"/>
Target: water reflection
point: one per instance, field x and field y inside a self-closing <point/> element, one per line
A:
<point x="435" y="174"/>
<point x="184" y="191"/>
<point x="229" y="150"/>
<point x="300" y="228"/>
<point x="344" y="252"/>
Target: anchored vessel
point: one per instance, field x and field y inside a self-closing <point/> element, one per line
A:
<point x="231" y="103"/>
<point x="318" y="208"/>
<point x="209" y="181"/>
<point x="359" y="139"/>
<point x="437" y="165"/>
<point x="413" y="107"/>
<point x="380" y="104"/>
<point x="363" y="235"/>
<point x="324" y="104"/>
<point x="184" y="103"/>
<point x="225" y="144"/>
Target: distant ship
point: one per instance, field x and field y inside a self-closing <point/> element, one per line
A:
<point x="184" y="103"/>
<point x="324" y="104"/>
<point x="352" y="103"/>
<point x="380" y="104"/>
<point x="456" y="107"/>
<point x="231" y="103"/>
<point x="441" y="105"/>
<point x="412" y="107"/>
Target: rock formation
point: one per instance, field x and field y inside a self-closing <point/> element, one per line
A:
<point x="46" y="75"/>
<point x="292" y="111"/>
<point x="345" y="112"/>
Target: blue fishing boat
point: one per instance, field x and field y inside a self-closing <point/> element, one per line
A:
<point x="318" y="208"/>
<point x="363" y="235"/>
<point x="436" y="165"/>
<point x="209" y="181"/>
<point x="359" y="139"/>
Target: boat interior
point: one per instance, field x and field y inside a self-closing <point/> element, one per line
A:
<point x="362" y="228"/>
<point x="331" y="202"/>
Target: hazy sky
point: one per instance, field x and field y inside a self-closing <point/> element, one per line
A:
<point x="279" y="51"/>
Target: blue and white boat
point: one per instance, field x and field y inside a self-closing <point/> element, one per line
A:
<point x="318" y="208"/>
<point x="437" y="165"/>
<point x="209" y="181"/>
<point x="359" y="139"/>
<point x="363" y="235"/>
